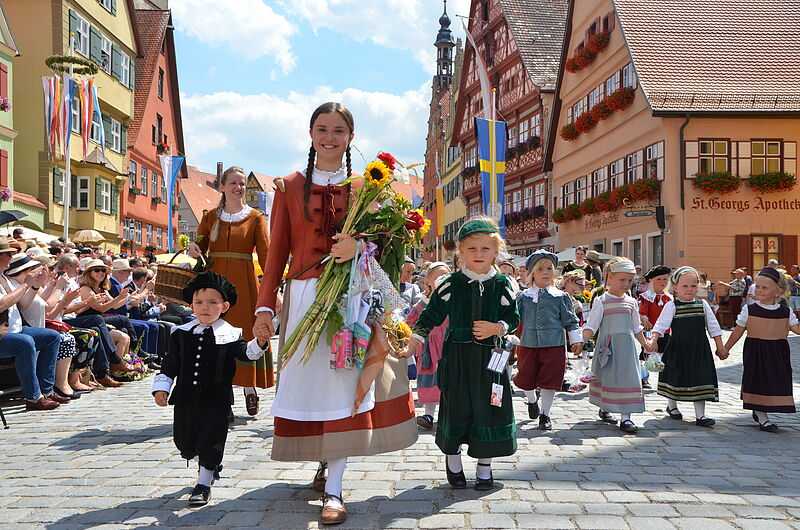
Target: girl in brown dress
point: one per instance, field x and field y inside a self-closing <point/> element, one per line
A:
<point x="230" y="233"/>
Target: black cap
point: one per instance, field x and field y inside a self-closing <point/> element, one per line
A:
<point x="658" y="270"/>
<point x="210" y="280"/>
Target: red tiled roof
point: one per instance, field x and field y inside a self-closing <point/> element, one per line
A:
<point x="265" y="180"/>
<point x="24" y="198"/>
<point x="415" y="184"/>
<point x="152" y="26"/>
<point x="198" y="193"/>
<point x="715" y="55"/>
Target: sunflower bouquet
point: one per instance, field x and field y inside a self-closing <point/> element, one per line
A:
<point x="376" y="214"/>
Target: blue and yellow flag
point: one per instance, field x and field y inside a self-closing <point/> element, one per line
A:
<point x="492" y="160"/>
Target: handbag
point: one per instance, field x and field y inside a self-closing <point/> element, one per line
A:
<point x="61" y="327"/>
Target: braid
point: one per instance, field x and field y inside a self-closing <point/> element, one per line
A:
<point x="307" y="186"/>
<point x="349" y="165"/>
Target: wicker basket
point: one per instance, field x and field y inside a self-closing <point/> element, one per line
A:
<point x="171" y="279"/>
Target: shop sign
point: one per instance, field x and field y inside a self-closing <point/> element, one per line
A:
<point x="757" y="203"/>
<point x="598" y="221"/>
<point x="639" y="213"/>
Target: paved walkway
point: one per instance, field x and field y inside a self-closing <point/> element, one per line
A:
<point x="107" y="461"/>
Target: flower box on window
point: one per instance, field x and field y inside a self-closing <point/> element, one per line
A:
<point x="773" y="181"/>
<point x="158" y="200"/>
<point x="162" y="148"/>
<point x="568" y="132"/>
<point x="588" y="53"/>
<point x="135" y="191"/>
<point x="717" y="182"/>
<point x="150" y="248"/>
<point x="175" y="207"/>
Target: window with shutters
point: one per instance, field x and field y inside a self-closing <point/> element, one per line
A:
<point x="125" y="70"/>
<point x="608" y="25"/>
<point x="105" y="196"/>
<point x="154" y="184"/>
<point x="105" y="55"/>
<point x="764" y="248"/>
<point x="633" y="167"/>
<point x="83" y="193"/>
<point x="765" y="156"/>
<point x="107" y="4"/>
<point x="581" y="189"/>
<point x="116" y="135"/>
<point x="567" y="194"/>
<point x="163" y="188"/>
<point x="161" y="83"/>
<point x="159" y="236"/>
<point x="94" y="134"/>
<point x="4" y="80"/>
<point x="145" y="176"/>
<point x="654" y="161"/>
<point x="159" y="127"/>
<point x="629" y="77"/>
<point x="616" y="174"/>
<point x="58" y="185"/>
<point x="137" y="232"/>
<point x="76" y="115"/>
<point x="713" y="155"/>
<point x="132" y="174"/>
<point x="527" y="197"/>
<point x="81" y="30"/>
<point x="539" y="192"/>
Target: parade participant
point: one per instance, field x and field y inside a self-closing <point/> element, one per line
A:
<point x="615" y="320"/>
<point x="575" y="283"/>
<point x="428" y="360"/>
<point x="737" y="289"/>
<point x="579" y="263"/>
<point x="313" y="403"/>
<point x="651" y="303"/>
<point x="767" y="377"/>
<point x="545" y="313"/>
<point x="689" y="373"/>
<point x="229" y="233"/>
<point x="475" y="407"/>
<point x="409" y="290"/>
<point x="201" y="356"/>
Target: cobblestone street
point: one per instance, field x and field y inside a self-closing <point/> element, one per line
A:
<point x="108" y="461"/>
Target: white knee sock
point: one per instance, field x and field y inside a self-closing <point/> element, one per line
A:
<point x="531" y="395"/>
<point x="672" y="404"/>
<point x="430" y="409"/>
<point x="249" y="390"/>
<point x="454" y="462"/>
<point x="547" y="401"/>
<point x="484" y="471"/>
<point x="333" y="486"/>
<point x="205" y="477"/>
<point x="763" y="417"/>
<point x="699" y="409"/>
<point x="624" y="416"/>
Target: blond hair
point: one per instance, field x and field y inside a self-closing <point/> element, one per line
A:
<point x="230" y="171"/>
<point x="85" y="280"/>
<point x="539" y="265"/>
<point x="500" y="243"/>
<point x="572" y="276"/>
<point x="609" y="264"/>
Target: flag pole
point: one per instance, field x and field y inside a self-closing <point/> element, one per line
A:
<point x="67" y="157"/>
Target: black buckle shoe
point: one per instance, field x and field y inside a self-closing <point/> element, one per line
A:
<point x="768" y="426"/>
<point x="629" y="427"/>
<point x="457" y="480"/>
<point x="675" y="414"/>
<point x="544" y="423"/>
<point x="484" y="484"/>
<point x="646" y="384"/>
<point x="200" y="495"/>
<point x="533" y="410"/>
<point x="425" y="421"/>
<point x="607" y="417"/>
<point x="704" y="422"/>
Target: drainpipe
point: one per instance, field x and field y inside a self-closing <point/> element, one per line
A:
<point x="682" y="165"/>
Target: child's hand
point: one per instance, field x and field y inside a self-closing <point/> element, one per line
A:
<point x="412" y="348"/>
<point x="651" y="346"/>
<point x="722" y="353"/>
<point x="483" y="329"/>
<point x="577" y="348"/>
<point x="161" y="398"/>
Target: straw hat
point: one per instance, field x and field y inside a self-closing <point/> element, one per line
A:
<point x="5" y="247"/>
<point x="19" y="263"/>
<point x="85" y="261"/>
<point x="34" y="252"/>
<point x="593" y="257"/>
<point x="93" y="264"/>
<point x="46" y="260"/>
<point x="120" y="264"/>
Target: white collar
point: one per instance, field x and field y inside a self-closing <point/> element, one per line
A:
<point x="474" y="276"/>
<point x="321" y="177"/>
<point x="650" y="296"/>
<point x="224" y="333"/>
<point x="533" y="292"/>
<point x="235" y="217"/>
<point x="768" y="306"/>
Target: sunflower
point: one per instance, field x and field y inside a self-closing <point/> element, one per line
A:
<point x="377" y="173"/>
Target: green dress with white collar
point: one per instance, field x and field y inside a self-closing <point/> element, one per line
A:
<point x="465" y="413"/>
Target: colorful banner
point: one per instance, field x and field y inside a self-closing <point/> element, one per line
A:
<point x="170" y="167"/>
<point x="69" y="87"/>
<point x="96" y="106"/>
<point x="87" y="111"/>
<point x="492" y="160"/>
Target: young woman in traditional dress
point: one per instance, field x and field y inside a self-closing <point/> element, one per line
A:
<point x="313" y="403"/>
<point x="230" y="233"/>
<point x="767" y="377"/>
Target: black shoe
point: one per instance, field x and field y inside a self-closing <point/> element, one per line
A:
<point x="544" y="423"/>
<point x="231" y="417"/>
<point x="533" y="410"/>
<point x="628" y="427"/>
<point x="704" y="422"/>
<point x="58" y="391"/>
<point x="646" y="383"/>
<point x="425" y="421"/>
<point x="607" y="417"/>
<point x="457" y="480"/>
<point x="755" y="417"/>
<point x="484" y="484"/>
<point x="675" y="414"/>
<point x="216" y="474"/>
<point x="200" y="495"/>
<point x="768" y="426"/>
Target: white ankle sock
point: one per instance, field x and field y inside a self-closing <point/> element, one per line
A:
<point x="699" y="409"/>
<point x="430" y="409"/>
<point x="531" y="395"/>
<point x="484" y="471"/>
<point x="205" y="477"/>
<point x="672" y="404"/>
<point x="333" y="485"/>
<point x="547" y="401"/>
<point x="624" y="416"/>
<point x="454" y="463"/>
<point x="249" y="390"/>
<point x="763" y="417"/>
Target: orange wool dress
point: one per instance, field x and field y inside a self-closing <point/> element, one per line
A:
<point x="231" y="256"/>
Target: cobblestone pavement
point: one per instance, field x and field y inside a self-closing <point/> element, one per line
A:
<point x="107" y="461"/>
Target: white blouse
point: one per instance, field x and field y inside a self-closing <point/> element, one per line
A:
<point x="668" y="313"/>
<point x="235" y="217"/>
<point x="321" y="177"/>
<point x="741" y="320"/>
<point x="596" y="316"/>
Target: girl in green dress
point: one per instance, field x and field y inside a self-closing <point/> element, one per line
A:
<point x="475" y="406"/>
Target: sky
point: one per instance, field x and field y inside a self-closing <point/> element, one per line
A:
<point x="251" y="72"/>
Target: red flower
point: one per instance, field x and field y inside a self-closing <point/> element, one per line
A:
<point x="585" y="122"/>
<point x="568" y="132"/>
<point x="387" y="159"/>
<point x="414" y="220"/>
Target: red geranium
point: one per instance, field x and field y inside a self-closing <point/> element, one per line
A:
<point x="387" y="159"/>
<point x="414" y="220"/>
<point x="585" y="122"/>
<point x="568" y="132"/>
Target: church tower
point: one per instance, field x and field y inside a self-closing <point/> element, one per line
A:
<point x="444" y="55"/>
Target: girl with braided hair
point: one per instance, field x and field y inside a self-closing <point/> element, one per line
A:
<point x="231" y="232"/>
<point x="313" y="404"/>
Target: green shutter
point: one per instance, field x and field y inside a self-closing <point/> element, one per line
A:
<point x="107" y="129"/>
<point x="73" y="201"/>
<point x="132" y="71"/>
<point x="98" y="193"/>
<point x="58" y="187"/>
<point x="114" y="197"/>
<point x="95" y="45"/>
<point x="124" y="139"/>
<point x="73" y="24"/>
<point x="116" y="62"/>
<point x="113" y="7"/>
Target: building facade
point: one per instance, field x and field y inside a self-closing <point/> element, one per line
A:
<point x="156" y="129"/>
<point x="520" y="43"/>
<point x="257" y="183"/>
<point x="105" y="33"/>
<point x="652" y="125"/>
<point x="197" y="195"/>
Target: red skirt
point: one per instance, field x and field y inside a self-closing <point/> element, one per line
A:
<point x="540" y="367"/>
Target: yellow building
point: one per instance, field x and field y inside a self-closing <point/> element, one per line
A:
<point x="105" y="33"/>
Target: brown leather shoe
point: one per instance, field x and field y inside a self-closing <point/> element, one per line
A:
<point x="122" y="367"/>
<point x="251" y="402"/>
<point x="52" y="396"/>
<point x="319" y="479"/>
<point x="331" y="515"/>
<point x="41" y="404"/>
<point x="106" y="381"/>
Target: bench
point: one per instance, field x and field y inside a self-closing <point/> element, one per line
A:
<point x="5" y="365"/>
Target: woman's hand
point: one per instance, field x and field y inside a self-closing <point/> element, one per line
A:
<point x="161" y="398"/>
<point x="577" y="348"/>
<point x="194" y="250"/>
<point x="344" y="249"/>
<point x="483" y="329"/>
<point x="412" y="348"/>
<point x="263" y="328"/>
<point x="70" y="296"/>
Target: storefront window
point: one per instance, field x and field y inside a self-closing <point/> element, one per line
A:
<point x="713" y="155"/>
<point x="765" y="156"/>
<point x="765" y="248"/>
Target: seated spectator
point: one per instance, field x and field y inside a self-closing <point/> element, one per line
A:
<point x="36" y="372"/>
<point x="120" y="274"/>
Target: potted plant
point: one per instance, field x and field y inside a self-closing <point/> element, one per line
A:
<point x="585" y="122"/>
<point x="162" y="148"/>
<point x="620" y="98"/>
<point x="772" y="181"/>
<point x="568" y="132"/>
<point x="589" y="206"/>
<point x="717" y="182"/>
<point x="539" y="211"/>
<point x="647" y="188"/>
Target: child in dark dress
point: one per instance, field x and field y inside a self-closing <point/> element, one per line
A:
<point x="202" y="357"/>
